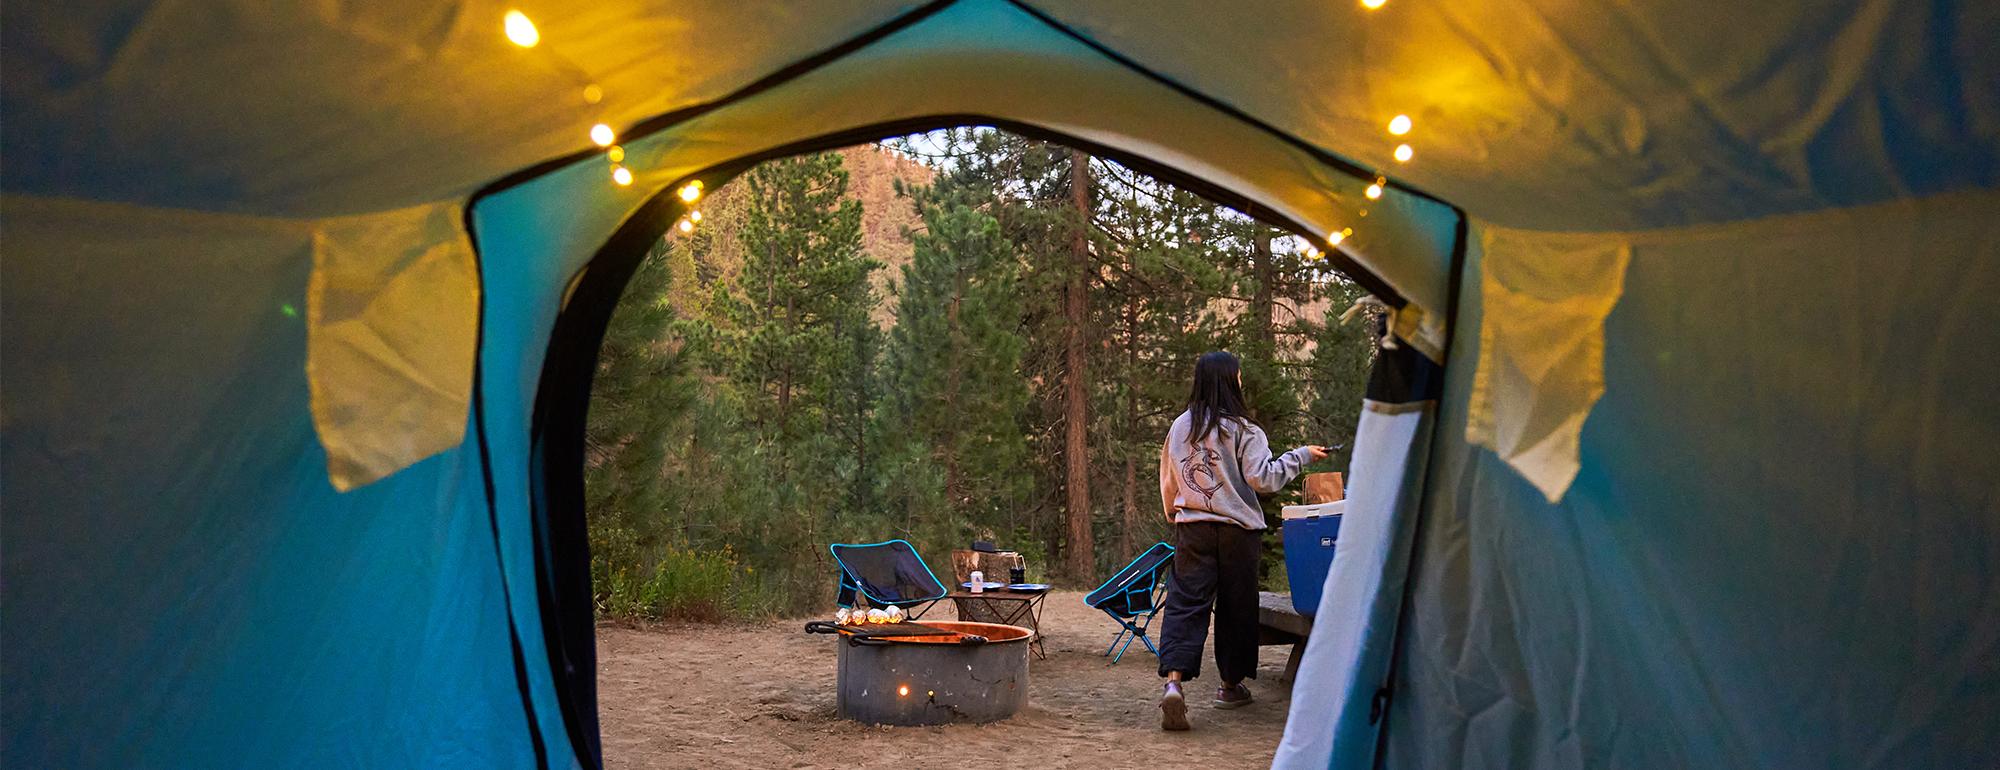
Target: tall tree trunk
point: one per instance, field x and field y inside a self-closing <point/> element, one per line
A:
<point x="1076" y="314"/>
<point x="785" y="382"/>
<point x="1262" y="306"/>
<point x="954" y="492"/>
<point x="860" y="492"/>
<point x="1130" y="530"/>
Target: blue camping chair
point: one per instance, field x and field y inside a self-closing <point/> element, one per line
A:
<point x="889" y="574"/>
<point x="1132" y="594"/>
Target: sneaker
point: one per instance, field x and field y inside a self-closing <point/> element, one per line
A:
<point x="1173" y="709"/>
<point x="1233" y="696"/>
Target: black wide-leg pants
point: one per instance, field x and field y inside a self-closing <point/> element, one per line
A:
<point x="1215" y="567"/>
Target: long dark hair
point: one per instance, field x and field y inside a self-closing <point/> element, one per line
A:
<point x="1217" y="394"/>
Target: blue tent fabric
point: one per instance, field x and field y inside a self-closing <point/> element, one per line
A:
<point x="177" y="566"/>
<point x="1740" y="577"/>
<point x="1778" y="549"/>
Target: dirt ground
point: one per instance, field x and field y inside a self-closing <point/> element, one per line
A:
<point x="762" y="696"/>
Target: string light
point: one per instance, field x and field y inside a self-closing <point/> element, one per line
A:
<point x="691" y="191"/>
<point x="1374" y="191"/>
<point x="521" y="30"/>
<point x="621" y="175"/>
<point x="602" y="135"/>
<point x="593" y="94"/>
<point x="1399" y="125"/>
<point x="1404" y="153"/>
<point x="616" y="154"/>
<point x="1335" y="238"/>
<point x="686" y="226"/>
<point x="1373" y="4"/>
<point x="694" y="216"/>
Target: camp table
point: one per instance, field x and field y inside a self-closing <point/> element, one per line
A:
<point x="1278" y="623"/>
<point x="1008" y="608"/>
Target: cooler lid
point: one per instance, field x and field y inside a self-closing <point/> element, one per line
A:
<point x="1334" y="508"/>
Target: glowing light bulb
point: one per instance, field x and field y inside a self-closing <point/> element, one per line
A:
<point x="1336" y="237"/>
<point x="686" y="226"/>
<point x="1374" y="191"/>
<point x="691" y="191"/>
<point x="695" y="216"/>
<point x="903" y="690"/>
<point x="593" y="94"/>
<point x="621" y="175"/>
<point x="602" y="135"/>
<point x="616" y="154"/>
<point x="1399" y="125"/>
<point x="1403" y="153"/>
<point x="521" y="30"/>
<point x="1373" y="4"/>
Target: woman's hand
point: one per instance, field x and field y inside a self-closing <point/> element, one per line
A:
<point x="1318" y="452"/>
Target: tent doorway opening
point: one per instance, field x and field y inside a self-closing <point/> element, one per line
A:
<point x="957" y="335"/>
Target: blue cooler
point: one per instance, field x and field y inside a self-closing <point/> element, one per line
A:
<point x="1310" y="532"/>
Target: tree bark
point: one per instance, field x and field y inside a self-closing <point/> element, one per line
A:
<point x="954" y="492"/>
<point x="1129" y="532"/>
<point x="1262" y="304"/>
<point x="1076" y="314"/>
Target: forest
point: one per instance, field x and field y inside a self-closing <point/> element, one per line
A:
<point x="955" y="335"/>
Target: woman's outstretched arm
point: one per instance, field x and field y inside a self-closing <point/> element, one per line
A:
<point x="1265" y="473"/>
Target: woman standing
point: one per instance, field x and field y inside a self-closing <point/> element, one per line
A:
<point x="1212" y="468"/>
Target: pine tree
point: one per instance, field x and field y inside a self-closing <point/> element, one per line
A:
<point x="631" y="424"/>
<point x="802" y="348"/>
<point x="956" y="402"/>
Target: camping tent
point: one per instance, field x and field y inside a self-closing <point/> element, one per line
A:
<point x="300" y="303"/>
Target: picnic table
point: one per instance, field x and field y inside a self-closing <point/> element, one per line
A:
<point x="1278" y="623"/>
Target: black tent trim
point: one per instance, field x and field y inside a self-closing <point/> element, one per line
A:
<point x="493" y="522"/>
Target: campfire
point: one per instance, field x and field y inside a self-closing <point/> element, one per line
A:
<point x="895" y="671"/>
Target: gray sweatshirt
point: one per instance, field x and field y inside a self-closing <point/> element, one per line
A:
<point x="1219" y="479"/>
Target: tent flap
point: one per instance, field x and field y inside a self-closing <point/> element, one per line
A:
<point x="393" y="319"/>
<point x="1541" y="348"/>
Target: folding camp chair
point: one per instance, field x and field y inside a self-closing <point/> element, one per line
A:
<point x="889" y="574"/>
<point x="1134" y="595"/>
